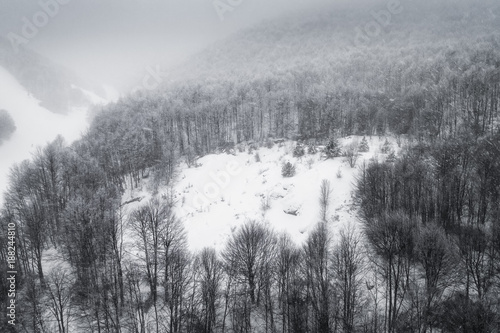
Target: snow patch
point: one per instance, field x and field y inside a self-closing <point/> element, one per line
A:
<point x="212" y="202"/>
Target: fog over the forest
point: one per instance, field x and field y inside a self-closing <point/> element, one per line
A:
<point x="114" y="41"/>
<point x="295" y="166"/>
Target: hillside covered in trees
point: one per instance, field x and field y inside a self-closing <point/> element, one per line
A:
<point x="430" y="71"/>
<point x="424" y="257"/>
<point x="57" y="88"/>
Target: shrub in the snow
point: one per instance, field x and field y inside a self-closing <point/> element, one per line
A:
<point x="363" y="146"/>
<point x="339" y="173"/>
<point x="240" y="148"/>
<point x="310" y="163"/>
<point x="226" y="147"/>
<point x="311" y="149"/>
<point x="299" y="150"/>
<point x="391" y="158"/>
<point x="251" y="148"/>
<point x="351" y="153"/>
<point x="257" y="157"/>
<point x="265" y="203"/>
<point x="333" y="149"/>
<point x="269" y="143"/>
<point x="386" y="148"/>
<point x="288" y="169"/>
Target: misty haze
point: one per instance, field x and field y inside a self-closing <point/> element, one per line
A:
<point x="248" y="166"/>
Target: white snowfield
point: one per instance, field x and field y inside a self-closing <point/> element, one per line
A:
<point x="224" y="191"/>
<point x="35" y="125"/>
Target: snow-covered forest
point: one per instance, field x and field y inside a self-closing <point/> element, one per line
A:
<point x="307" y="174"/>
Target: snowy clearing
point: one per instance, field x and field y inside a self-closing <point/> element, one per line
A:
<point x="224" y="190"/>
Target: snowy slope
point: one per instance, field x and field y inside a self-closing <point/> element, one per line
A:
<point x="91" y="96"/>
<point x="224" y="191"/>
<point x="35" y="125"/>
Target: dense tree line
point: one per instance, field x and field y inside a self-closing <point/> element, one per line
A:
<point x="373" y="95"/>
<point x="431" y="218"/>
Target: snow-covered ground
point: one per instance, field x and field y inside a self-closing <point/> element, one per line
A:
<point x="35" y="125"/>
<point x="223" y="191"/>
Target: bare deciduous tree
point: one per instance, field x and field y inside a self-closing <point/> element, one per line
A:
<point x="59" y="290"/>
<point x="348" y="269"/>
<point x="435" y="254"/>
<point x="318" y="277"/>
<point x="324" y="198"/>
<point x="210" y="278"/>
<point x="148" y="223"/>
<point x="287" y="267"/>
<point x="351" y="153"/>
<point x="393" y="238"/>
<point x="157" y="230"/>
<point x="248" y="254"/>
<point x="136" y="303"/>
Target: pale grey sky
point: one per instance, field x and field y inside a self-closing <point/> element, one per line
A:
<point x="113" y="41"/>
